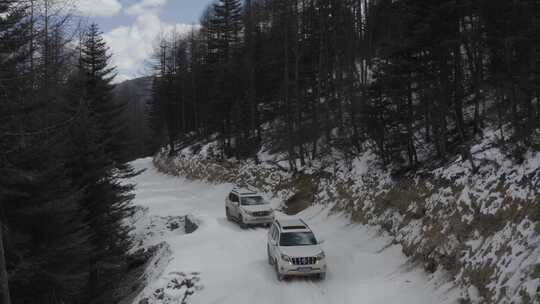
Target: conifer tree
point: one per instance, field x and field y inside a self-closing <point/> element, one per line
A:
<point x="43" y="225"/>
<point x="95" y="164"/>
<point x="98" y="90"/>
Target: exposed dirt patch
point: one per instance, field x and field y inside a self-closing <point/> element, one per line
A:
<point x="306" y="188"/>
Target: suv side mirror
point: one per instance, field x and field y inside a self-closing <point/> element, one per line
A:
<point x="321" y="242"/>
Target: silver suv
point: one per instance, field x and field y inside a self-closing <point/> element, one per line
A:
<point x="248" y="208"/>
<point x="293" y="250"/>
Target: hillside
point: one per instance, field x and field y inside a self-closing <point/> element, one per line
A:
<point x="479" y="226"/>
<point x="136" y="94"/>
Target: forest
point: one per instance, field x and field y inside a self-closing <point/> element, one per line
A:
<point x="415" y="81"/>
<point x="62" y="155"/>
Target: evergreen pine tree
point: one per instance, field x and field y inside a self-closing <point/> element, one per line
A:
<point x="45" y="236"/>
<point x="96" y="165"/>
<point x="98" y="91"/>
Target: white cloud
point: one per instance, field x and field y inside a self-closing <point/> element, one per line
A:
<point x="145" y="7"/>
<point x="132" y="46"/>
<point x="97" y="8"/>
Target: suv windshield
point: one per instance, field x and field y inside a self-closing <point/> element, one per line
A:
<point x="252" y="200"/>
<point x="297" y="239"/>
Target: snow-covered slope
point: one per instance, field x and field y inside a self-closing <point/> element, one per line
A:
<point x="221" y="263"/>
<point x="477" y="218"/>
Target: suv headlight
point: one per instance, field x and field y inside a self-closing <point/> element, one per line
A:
<point x="320" y="256"/>
<point x="285" y="258"/>
<point x="248" y="213"/>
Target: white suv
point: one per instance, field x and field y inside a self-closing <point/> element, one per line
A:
<point x="248" y="208"/>
<point x="293" y="250"/>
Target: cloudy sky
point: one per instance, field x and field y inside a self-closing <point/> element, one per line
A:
<point x="132" y="26"/>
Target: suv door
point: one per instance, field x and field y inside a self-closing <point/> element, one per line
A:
<point x="270" y="233"/>
<point x="273" y="238"/>
<point x="234" y="205"/>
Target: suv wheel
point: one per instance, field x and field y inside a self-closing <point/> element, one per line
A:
<point x="322" y="276"/>
<point x="228" y="214"/>
<point x="241" y="222"/>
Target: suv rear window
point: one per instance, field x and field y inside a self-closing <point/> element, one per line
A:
<point x="297" y="239"/>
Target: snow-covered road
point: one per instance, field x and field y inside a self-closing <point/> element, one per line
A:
<point x="232" y="263"/>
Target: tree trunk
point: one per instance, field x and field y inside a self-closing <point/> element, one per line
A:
<point x="251" y="70"/>
<point x="413" y="158"/>
<point x="4" y="285"/>
<point x="286" y="82"/>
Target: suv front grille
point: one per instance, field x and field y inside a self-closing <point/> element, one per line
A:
<point x="262" y="213"/>
<point x="304" y="261"/>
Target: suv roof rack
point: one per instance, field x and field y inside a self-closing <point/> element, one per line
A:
<point x="292" y="224"/>
<point x="245" y="189"/>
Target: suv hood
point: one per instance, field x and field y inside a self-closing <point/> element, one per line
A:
<point x="257" y="208"/>
<point x="301" y="251"/>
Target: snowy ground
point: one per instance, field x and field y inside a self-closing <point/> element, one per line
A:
<point x="222" y="263"/>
